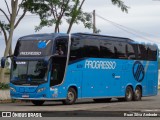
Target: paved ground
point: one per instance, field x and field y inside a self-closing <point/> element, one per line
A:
<point x="89" y="108"/>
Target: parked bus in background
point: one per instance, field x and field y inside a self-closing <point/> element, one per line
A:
<point x="69" y="67"/>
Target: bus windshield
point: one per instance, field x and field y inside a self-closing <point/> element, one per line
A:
<point x="33" y="48"/>
<point x="28" y="72"/>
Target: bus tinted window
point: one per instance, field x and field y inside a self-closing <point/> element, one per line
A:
<point x="91" y="48"/>
<point x="30" y="48"/>
<point x="120" y="50"/>
<point x="61" y="46"/>
<point x="130" y="52"/>
<point x="106" y="49"/>
<point x="152" y="53"/>
<point x="142" y="52"/>
<point x="76" y="48"/>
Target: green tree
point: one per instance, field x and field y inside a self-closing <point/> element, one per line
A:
<point x="121" y="5"/>
<point x="76" y="15"/>
<point x="8" y="27"/>
<point x="53" y="12"/>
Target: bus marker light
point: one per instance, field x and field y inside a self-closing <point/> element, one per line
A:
<point x="41" y="89"/>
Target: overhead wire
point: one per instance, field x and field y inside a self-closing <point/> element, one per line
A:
<point x="122" y="27"/>
<point x="127" y="29"/>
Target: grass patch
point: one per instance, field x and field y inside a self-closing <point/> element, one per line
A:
<point x="4" y="86"/>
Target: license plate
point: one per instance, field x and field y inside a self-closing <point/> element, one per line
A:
<point x="25" y="96"/>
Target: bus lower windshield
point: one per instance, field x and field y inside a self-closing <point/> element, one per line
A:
<point x="28" y="72"/>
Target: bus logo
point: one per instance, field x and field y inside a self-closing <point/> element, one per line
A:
<point x="93" y="64"/>
<point x="138" y="71"/>
<point x="42" y="44"/>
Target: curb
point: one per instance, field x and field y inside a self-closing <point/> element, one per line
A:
<point x="6" y="101"/>
<point x="10" y="101"/>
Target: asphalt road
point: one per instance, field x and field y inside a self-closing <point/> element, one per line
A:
<point x="88" y="108"/>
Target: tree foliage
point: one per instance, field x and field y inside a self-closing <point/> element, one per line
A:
<point x="7" y="27"/>
<point x="121" y="5"/>
<point x="55" y="11"/>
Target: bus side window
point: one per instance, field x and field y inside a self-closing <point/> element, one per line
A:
<point x="61" y="46"/>
<point x="91" y="48"/>
<point x="59" y="50"/>
<point x="152" y="53"/>
<point x="76" y="50"/>
<point x="142" y="52"/>
<point x="120" y="50"/>
<point x="130" y="52"/>
<point x="106" y="49"/>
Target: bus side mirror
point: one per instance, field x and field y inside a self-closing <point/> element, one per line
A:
<point x="3" y="62"/>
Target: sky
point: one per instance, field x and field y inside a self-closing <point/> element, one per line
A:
<point x="142" y="19"/>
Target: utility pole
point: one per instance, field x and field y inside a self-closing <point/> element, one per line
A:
<point x="94" y="21"/>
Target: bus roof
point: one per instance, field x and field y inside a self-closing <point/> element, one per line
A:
<point x="86" y="35"/>
<point x="50" y="36"/>
<point x="83" y="35"/>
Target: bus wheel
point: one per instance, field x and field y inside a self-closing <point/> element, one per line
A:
<point x="38" y="102"/>
<point x="102" y="100"/>
<point x="71" y="97"/>
<point x="129" y="94"/>
<point x="137" y="94"/>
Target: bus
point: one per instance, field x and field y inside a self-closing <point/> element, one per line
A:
<point x="67" y="67"/>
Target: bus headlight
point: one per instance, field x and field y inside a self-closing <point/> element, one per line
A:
<point x="13" y="89"/>
<point x="41" y="89"/>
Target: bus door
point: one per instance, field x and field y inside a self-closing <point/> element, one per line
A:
<point x="59" y="61"/>
<point x="57" y="71"/>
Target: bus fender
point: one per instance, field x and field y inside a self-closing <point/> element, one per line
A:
<point x="75" y="87"/>
<point x="129" y="84"/>
<point x="138" y="84"/>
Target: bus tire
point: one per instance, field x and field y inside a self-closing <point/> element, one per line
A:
<point x="137" y="94"/>
<point x="129" y="94"/>
<point x="71" y="97"/>
<point x="38" y="102"/>
<point x="102" y="100"/>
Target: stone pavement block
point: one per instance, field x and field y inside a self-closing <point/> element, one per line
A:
<point x="5" y="94"/>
